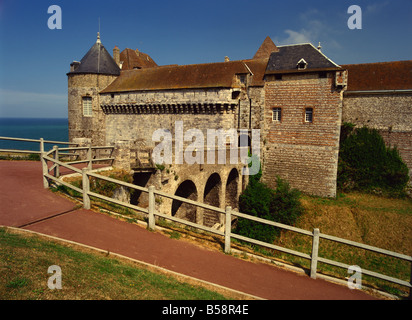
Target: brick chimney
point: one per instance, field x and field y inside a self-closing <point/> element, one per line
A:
<point x="116" y="55"/>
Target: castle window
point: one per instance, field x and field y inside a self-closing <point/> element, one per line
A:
<point x="276" y="114"/>
<point x="235" y="94"/>
<point x="309" y="115"/>
<point x="302" y="64"/>
<point x="241" y="79"/>
<point x="87" y="106"/>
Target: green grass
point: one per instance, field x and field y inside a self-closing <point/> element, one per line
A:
<point x="370" y="219"/>
<point x="25" y="259"/>
<point x="19" y="156"/>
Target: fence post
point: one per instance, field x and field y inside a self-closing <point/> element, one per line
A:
<point x="151" y="222"/>
<point x="89" y="157"/>
<point x="410" y="281"/>
<point x="44" y="164"/>
<point x="56" y="157"/>
<point x="315" y="250"/>
<point x="228" y="228"/>
<point x="86" y="189"/>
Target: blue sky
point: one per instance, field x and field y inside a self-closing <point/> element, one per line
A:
<point x="35" y="59"/>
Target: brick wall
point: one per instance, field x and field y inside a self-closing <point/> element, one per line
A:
<point x="305" y="154"/>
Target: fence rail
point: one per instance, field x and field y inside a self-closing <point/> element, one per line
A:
<point x="227" y="233"/>
<point x="41" y="142"/>
<point x="53" y="156"/>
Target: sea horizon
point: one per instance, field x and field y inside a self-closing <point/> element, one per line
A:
<point x="53" y="129"/>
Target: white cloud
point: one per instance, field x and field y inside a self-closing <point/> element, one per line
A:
<point x="295" y="37"/>
<point x="315" y="30"/>
<point x="376" y="7"/>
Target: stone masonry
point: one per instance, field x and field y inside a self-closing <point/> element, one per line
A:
<point x="293" y="95"/>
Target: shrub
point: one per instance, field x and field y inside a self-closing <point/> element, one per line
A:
<point x="279" y="205"/>
<point x="366" y="164"/>
<point x="108" y="188"/>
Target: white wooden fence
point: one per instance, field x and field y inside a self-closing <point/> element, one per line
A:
<point x="314" y="258"/>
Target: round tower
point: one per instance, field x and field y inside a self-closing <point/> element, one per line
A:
<point x="87" y="77"/>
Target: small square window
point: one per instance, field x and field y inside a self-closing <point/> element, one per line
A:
<point x="276" y="114"/>
<point x="309" y="115"/>
<point x="242" y="79"/>
<point x="87" y="106"/>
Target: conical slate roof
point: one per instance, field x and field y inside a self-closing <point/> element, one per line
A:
<point x="97" y="61"/>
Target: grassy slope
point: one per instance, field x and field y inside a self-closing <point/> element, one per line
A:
<point x="25" y="259"/>
<point x="374" y="220"/>
<point x="378" y="221"/>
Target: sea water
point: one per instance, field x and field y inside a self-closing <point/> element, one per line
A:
<point x="32" y="128"/>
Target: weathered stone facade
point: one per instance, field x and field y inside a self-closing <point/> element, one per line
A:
<point x="388" y="112"/>
<point x="299" y="143"/>
<point x="379" y="96"/>
<point x="80" y="126"/>
<point x="135" y="116"/>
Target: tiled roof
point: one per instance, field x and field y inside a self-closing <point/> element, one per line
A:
<point x="396" y="75"/>
<point x="287" y="58"/>
<point x="257" y="67"/>
<point x="98" y="61"/>
<point x="210" y="75"/>
<point x="133" y="59"/>
<point x="266" y="49"/>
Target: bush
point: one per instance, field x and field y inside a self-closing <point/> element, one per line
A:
<point x="279" y="205"/>
<point x="366" y="164"/>
<point x="108" y="188"/>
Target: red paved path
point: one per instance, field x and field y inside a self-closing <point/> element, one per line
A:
<point x="23" y="199"/>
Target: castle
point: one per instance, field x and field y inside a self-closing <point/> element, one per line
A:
<point x="293" y="95"/>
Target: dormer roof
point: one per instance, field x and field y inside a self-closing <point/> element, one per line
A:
<point x="288" y="57"/>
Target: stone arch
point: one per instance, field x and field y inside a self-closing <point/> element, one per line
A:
<point x="232" y="184"/>
<point x="211" y="196"/>
<point x="187" y="189"/>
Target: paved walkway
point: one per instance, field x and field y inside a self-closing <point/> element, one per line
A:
<point x="24" y="200"/>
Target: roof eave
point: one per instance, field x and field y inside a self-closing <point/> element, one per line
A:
<point x="108" y="90"/>
<point x="291" y="71"/>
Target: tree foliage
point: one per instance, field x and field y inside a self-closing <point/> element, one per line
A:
<point x="280" y="205"/>
<point x="367" y="164"/>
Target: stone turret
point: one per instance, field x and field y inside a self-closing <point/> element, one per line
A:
<point x="95" y="71"/>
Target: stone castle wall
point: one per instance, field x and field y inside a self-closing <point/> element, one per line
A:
<point x="136" y="116"/>
<point x="79" y="86"/>
<point x="390" y="113"/>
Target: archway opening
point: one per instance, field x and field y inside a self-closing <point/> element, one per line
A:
<point x="140" y="198"/>
<point x="232" y="189"/>
<point x="211" y="197"/>
<point x="186" y="189"/>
